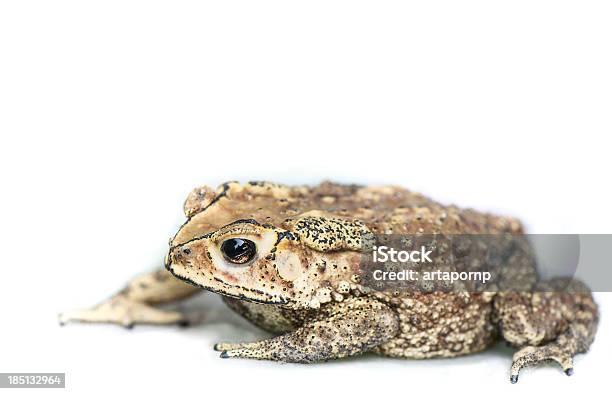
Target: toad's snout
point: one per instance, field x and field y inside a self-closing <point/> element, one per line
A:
<point x="177" y="255"/>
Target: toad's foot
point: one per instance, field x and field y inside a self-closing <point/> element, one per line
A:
<point x="555" y="322"/>
<point x="126" y="312"/>
<point x="531" y="355"/>
<point x="223" y="346"/>
<point x="134" y="304"/>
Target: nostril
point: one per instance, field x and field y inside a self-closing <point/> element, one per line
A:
<point x="177" y="255"/>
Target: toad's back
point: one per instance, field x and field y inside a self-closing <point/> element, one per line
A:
<point x="383" y="209"/>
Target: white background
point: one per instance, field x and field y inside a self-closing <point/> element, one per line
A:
<point x="111" y="111"/>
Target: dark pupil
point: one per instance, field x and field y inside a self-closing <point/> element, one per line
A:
<point x="238" y="250"/>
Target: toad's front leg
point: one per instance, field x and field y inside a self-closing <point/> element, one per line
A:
<point x="555" y="322"/>
<point x="341" y="330"/>
<point x="136" y="303"/>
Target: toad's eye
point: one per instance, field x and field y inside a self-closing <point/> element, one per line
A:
<point x="238" y="250"/>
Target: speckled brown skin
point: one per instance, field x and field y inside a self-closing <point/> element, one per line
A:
<point x="554" y="322"/>
<point x="335" y="331"/>
<point x="305" y="280"/>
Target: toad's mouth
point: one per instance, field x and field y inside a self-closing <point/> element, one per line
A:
<point x="222" y="288"/>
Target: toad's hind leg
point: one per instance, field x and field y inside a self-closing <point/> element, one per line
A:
<point x="135" y="304"/>
<point x="554" y="322"/>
